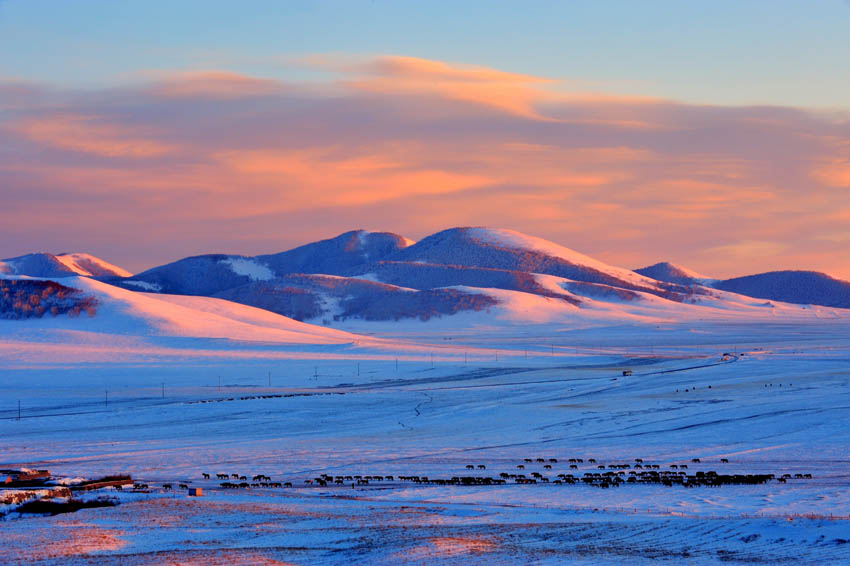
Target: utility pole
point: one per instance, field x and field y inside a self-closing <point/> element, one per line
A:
<point x="396" y="365"/>
<point x="464" y="358"/>
<point x="315" y="373"/>
<point x="106" y="397"/>
<point x="19" y="409"/>
<point x="358" y="369"/>
<point x="432" y="360"/>
<point x="163" y="390"/>
<point x="270" y="379"/>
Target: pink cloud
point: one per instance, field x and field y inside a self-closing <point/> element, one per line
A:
<point x="88" y="134"/>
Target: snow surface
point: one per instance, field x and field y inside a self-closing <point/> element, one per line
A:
<point x="519" y="241"/>
<point x="89" y="265"/>
<point x="144" y="285"/>
<point x="167" y="387"/>
<point x="63" y="265"/>
<point x="249" y="268"/>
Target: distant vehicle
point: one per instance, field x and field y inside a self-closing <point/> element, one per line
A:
<point x="627" y="372"/>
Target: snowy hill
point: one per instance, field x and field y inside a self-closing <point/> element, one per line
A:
<point x="200" y="275"/>
<point x="801" y="287"/>
<point x="124" y="312"/>
<point x="337" y="255"/>
<point x="62" y="265"/>
<point x="380" y="276"/>
<point x="213" y="273"/>
<point x="672" y="273"/>
<point x="332" y="298"/>
<point x="510" y="250"/>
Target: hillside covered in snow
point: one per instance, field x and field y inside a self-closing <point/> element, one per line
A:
<point x="380" y="276"/>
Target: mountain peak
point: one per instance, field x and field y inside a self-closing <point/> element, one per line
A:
<point x="673" y="273"/>
<point x="499" y="248"/>
<point x="42" y="264"/>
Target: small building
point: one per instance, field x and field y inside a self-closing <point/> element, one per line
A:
<point x="196" y="492"/>
<point x="627" y="373"/>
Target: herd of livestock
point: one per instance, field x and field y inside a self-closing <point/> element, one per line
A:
<point x="595" y="474"/>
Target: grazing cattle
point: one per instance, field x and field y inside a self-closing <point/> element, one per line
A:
<point x="591" y="461"/>
<point x="286" y="484"/>
<point x="234" y="476"/>
<point x="206" y="476"/>
<point x="222" y="476"/>
<point x="183" y="486"/>
<point x="725" y="460"/>
<point x="528" y="459"/>
<point x="520" y="467"/>
<point x="470" y="467"/>
<point x="166" y="487"/>
<point x="482" y="467"/>
<point x="553" y="460"/>
<point x="695" y="460"/>
<point x="573" y="466"/>
<point x="547" y="467"/>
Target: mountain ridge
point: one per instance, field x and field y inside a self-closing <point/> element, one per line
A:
<point x="385" y="276"/>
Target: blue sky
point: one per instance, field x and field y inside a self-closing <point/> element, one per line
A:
<point x="792" y="53"/>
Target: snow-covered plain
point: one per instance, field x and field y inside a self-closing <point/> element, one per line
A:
<point x="167" y="388"/>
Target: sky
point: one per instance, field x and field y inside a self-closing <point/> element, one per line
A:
<point x="711" y="134"/>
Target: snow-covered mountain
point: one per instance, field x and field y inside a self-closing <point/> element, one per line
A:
<point x="328" y="298"/>
<point x="798" y="287"/>
<point x="336" y="256"/>
<point x="379" y="276"/>
<point x="672" y="273"/>
<point x="383" y="276"/>
<point x="514" y="251"/>
<point x="801" y="287"/>
<point x="62" y="265"/>
<point x="213" y="273"/>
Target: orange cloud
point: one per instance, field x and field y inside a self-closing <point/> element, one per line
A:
<point x="313" y="177"/>
<point x="213" y="84"/>
<point x="88" y="134"/>
<point x="511" y="92"/>
<point x="833" y="173"/>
